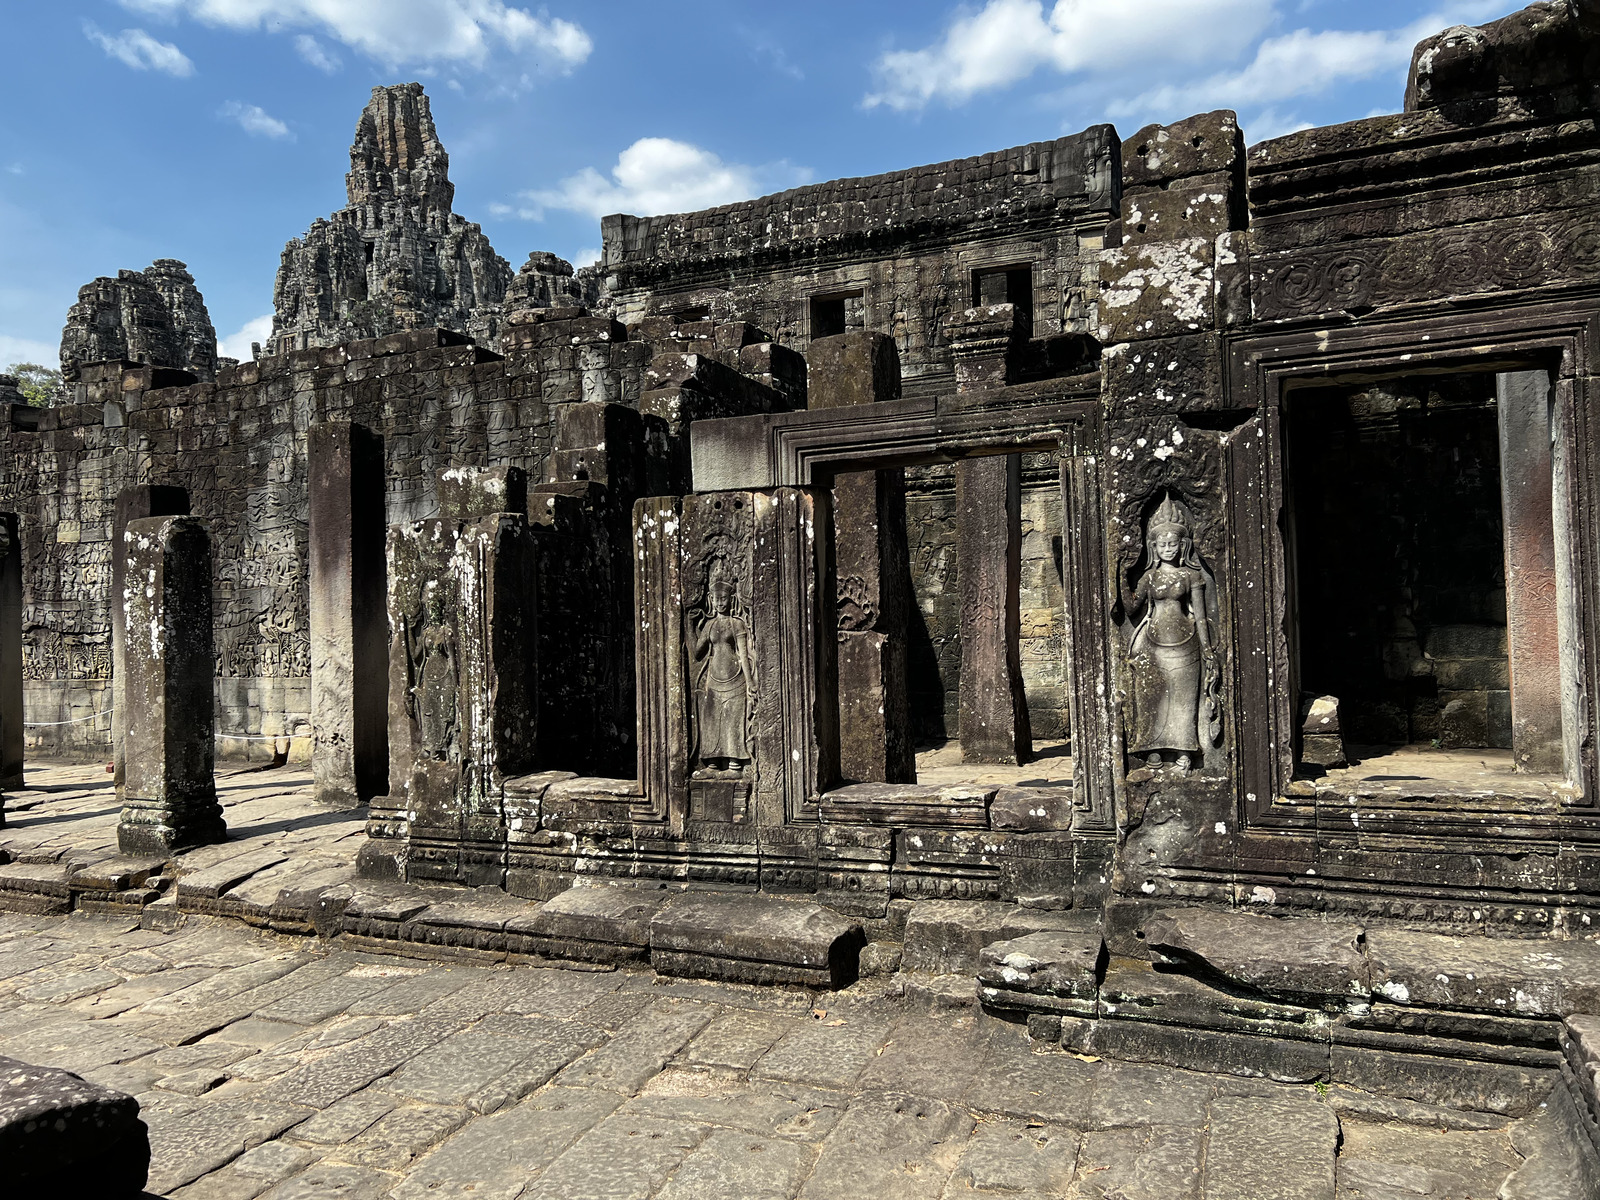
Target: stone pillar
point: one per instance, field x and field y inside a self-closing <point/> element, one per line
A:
<point x="10" y="655"/>
<point x="873" y="570"/>
<point x="349" y="618"/>
<point x="168" y="795"/>
<point x="1532" y="608"/>
<point x="133" y="504"/>
<point x="463" y="670"/>
<point x="994" y="712"/>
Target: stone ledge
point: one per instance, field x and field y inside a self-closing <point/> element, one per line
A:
<point x="756" y="939"/>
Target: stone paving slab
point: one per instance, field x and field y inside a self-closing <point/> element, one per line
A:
<point x="459" y="1081"/>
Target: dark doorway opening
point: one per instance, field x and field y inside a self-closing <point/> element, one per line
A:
<point x="1399" y="559"/>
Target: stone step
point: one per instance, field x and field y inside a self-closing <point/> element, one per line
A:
<point x="751" y="938"/>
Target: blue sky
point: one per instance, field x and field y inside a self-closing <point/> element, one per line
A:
<point x="214" y="130"/>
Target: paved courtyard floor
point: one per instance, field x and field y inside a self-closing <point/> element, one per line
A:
<point x="274" y="1066"/>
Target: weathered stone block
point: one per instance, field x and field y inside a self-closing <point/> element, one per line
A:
<point x="1031" y="810"/>
<point x="1279" y="956"/>
<point x="944" y="936"/>
<point x="168" y="798"/>
<point x="63" y="1136"/>
<point x="1053" y="963"/>
<point x="755" y="939"/>
<point x="1199" y="145"/>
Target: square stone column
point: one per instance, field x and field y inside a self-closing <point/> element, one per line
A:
<point x="168" y="796"/>
<point x="133" y="504"/>
<point x="463" y="672"/>
<point x="873" y="570"/>
<point x="1532" y="594"/>
<point x="994" y="711"/>
<point x="349" y="617"/>
<point x="10" y="655"/>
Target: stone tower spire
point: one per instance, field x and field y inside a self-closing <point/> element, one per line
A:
<point x="396" y="257"/>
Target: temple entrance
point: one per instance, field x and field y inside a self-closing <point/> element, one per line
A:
<point x="1420" y="512"/>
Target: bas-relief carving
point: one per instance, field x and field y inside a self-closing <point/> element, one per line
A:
<point x="1484" y="258"/>
<point x="717" y="633"/>
<point x="1175" y="699"/>
<point x="433" y="678"/>
<point x="723" y="673"/>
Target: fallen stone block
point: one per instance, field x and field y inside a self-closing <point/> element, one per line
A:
<point x="755" y="939"/>
<point x="1031" y="810"/>
<point x="589" y="924"/>
<point x="946" y="936"/>
<point x="63" y="1136"/>
<point x="1058" y="963"/>
<point x="1280" y="956"/>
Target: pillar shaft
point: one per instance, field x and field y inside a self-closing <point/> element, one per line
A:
<point x="994" y="712"/>
<point x="349" y="621"/>
<point x="1532" y="608"/>
<point x="133" y="504"/>
<point x="168" y="795"/>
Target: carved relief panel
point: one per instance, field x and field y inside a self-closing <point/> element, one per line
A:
<point x="732" y="727"/>
<point x="1168" y="547"/>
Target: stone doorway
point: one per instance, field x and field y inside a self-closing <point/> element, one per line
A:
<point x="1420" y="519"/>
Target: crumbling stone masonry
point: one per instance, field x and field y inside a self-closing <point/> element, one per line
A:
<point x="657" y="627"/>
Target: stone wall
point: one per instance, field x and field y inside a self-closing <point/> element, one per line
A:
<point x="239" y="446"/>
<point x="902" y="250"/>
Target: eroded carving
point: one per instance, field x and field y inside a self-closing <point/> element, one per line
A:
<point x="723" y="673"/>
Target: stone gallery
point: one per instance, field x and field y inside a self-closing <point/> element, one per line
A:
<point x="1145" y="588"/>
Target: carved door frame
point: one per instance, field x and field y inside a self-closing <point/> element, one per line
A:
<point x="805" y="449"/>
<point x="1261" y="371"/>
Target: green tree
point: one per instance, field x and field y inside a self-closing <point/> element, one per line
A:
<point x="40" y="386"/>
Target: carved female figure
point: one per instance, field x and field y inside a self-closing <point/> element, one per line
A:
<point x="1176" y="678"/>
<point x="724" y="680"/>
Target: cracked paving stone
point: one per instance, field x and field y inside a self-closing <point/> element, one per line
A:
<point x="640" y="1048"/>
<point x="737" y="1039"/>
<point x="1277" y="1149"/>
<point x="320" y="1001"/>
<point x="1015" y="1159"/>
<point x="1153" y="1163"/>
<point x="494" y="1157"/>
<point x="927" y="1058"/>
<point x="732" y="1165"/>
<point x="189" y="1143"/>
<point x="1017" y="1082"/>
<point x="464" y="1064"/>
<point x="401" y="1136"/>
<point x="889" y="1148"/>
<point x="1135" y="1094"/>
<point x="406" y="996"/>
<point x="351" y="1067"/>
<point x="334" y="1181"/>
<point x="622" y="1158"/>
<point x="345" y="1119"/>
<point x="73" y="986"/>
<point x="823" y="1055"/>
<point x="791" y="1111"/>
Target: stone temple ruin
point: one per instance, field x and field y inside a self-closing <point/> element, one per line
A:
<point x="1149" y="584"/>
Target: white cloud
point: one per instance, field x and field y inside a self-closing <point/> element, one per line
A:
<point x="254" y="119"/>
<point x="398" y="32"/>
<point x="660" y="175"/>
<point x="1303" y="63"/>
<point x="1007" y="40"/>
<point x="237" y="344"/>
<point x="137" y="49"/>
<point x="308" y="48"/>
<point x="15" y="350"/>
<point x="587" y="256"/>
